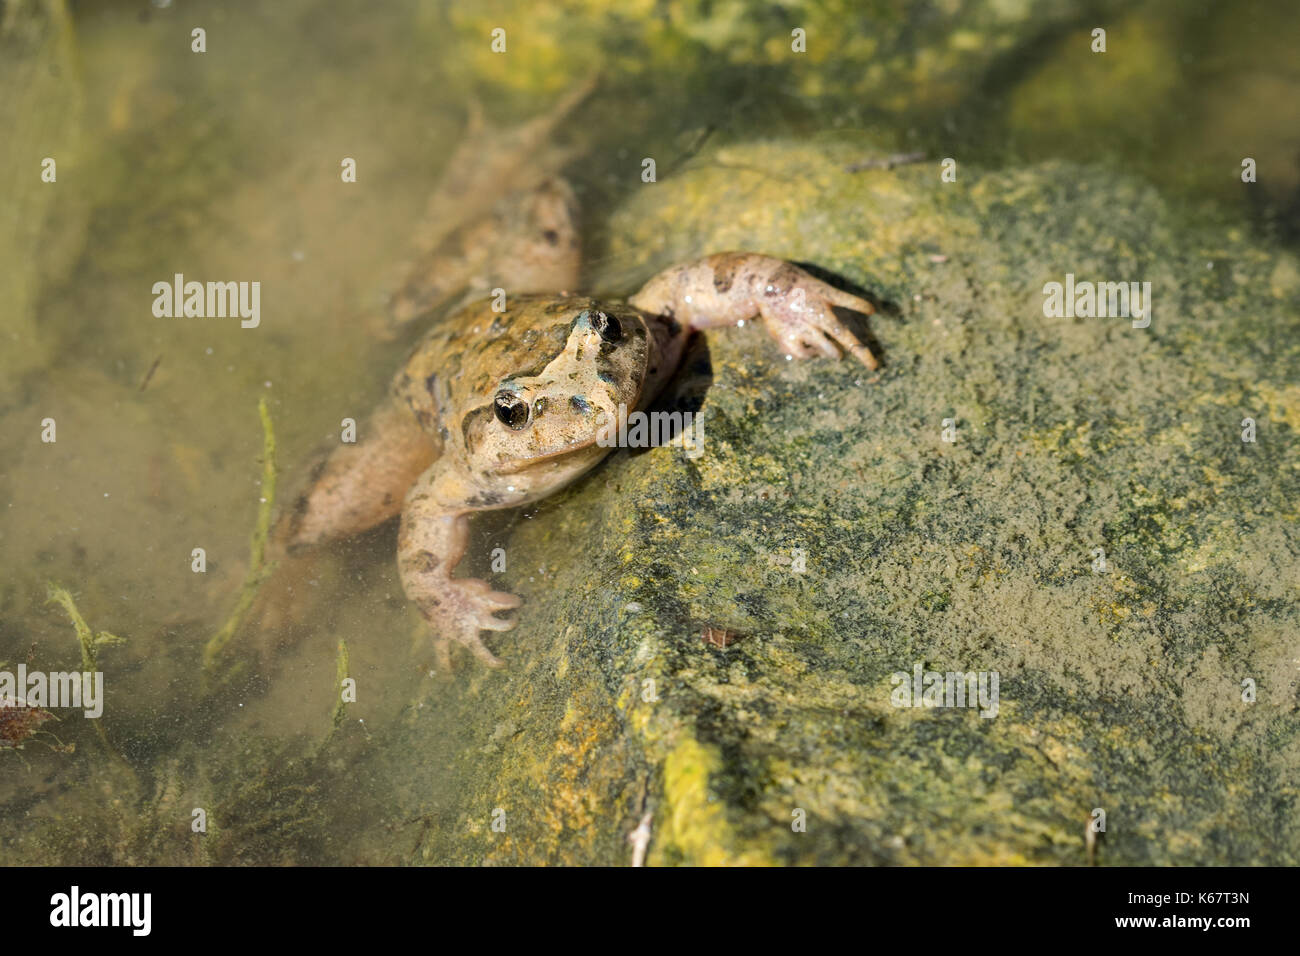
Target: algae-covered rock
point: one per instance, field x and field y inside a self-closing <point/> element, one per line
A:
<point x="1158" y="99"/>
<point x="894" y="55"/>
<point x="1098" y="534"/>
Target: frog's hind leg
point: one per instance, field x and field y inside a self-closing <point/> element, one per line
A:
<point x="529" y="243"/>
<point x="354" y="487"/>
<point x="362" y="484"/>
<point x="490" y="162"/>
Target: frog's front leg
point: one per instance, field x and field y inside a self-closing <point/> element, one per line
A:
<point x="732" y="287"/>
<point x="433" y="537"/>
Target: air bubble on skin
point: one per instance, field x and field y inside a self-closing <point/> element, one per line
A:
<point x="688" y="300"/>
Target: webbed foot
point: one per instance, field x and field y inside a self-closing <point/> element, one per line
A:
<point x="733" y="287"/>
<point x="457" y="609"/>
<point x="797" y="310"/>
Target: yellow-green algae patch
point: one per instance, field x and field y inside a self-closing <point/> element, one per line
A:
<point x="694" y="829"/>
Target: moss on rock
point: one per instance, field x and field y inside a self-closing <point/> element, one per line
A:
<point x="1120" y="690"/>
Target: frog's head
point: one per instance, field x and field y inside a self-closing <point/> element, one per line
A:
<point x="561" y="410"/>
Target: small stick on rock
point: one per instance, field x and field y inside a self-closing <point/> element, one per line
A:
<point x="885" y="162"/>
<point x="640" y="840"/>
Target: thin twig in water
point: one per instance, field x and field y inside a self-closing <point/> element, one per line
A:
<point x="149" y="374"/>
<point x="640" y="839"/>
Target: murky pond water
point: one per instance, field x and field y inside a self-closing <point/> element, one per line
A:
<point x="137" y="151"/>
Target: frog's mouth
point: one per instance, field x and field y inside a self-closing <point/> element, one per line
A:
<point x="600" y="426"/>
<point x="513" y="466"/>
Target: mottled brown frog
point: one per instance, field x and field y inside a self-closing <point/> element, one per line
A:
<point x="498" y="409"/>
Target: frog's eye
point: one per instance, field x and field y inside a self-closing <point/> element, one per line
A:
<point x="512" y="411"/>
<point x="606" y="326"/>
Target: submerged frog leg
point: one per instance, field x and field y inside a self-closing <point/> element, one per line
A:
<point x="489" y="163"/>
<point x="732" y="287"/>
<point x="528" y="243"/>
<point x="431" y="542"/>
<point x="359" y="485"/>
<point x="500" y="216"/>
<point x="354" y="487"/>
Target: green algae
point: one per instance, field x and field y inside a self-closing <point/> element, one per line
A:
<point x="89" y="642"/>
<point x="1121" y="690"/>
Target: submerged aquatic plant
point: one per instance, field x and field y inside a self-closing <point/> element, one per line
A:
<point x="90" y="642"/>
<point x="259" y="568"/>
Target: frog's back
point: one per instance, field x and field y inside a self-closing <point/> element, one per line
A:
<point x="460" y="362"/>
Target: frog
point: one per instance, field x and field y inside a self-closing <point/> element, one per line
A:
<point x="501" y="405"/>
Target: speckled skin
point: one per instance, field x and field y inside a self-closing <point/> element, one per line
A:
<point x="500" y="409"/>
<point x="555" y="361"/>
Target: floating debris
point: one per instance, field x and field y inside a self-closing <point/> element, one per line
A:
<point x="149" y="374"/>
<point x="18" y="722"/>
<point x="640" y="839"/>
<point x="720" y="636"/>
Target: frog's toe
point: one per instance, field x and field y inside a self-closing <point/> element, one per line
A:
<point x="479" y="650"/>
<point x="461" y="609"/>
<point x="482" y="592"/>
<point x="806" y="326"/>
<point x="488" y="622"/>
<point x="464" y="630"/>
<point x="809" y="342"/>
<point x="845" y="300"/>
